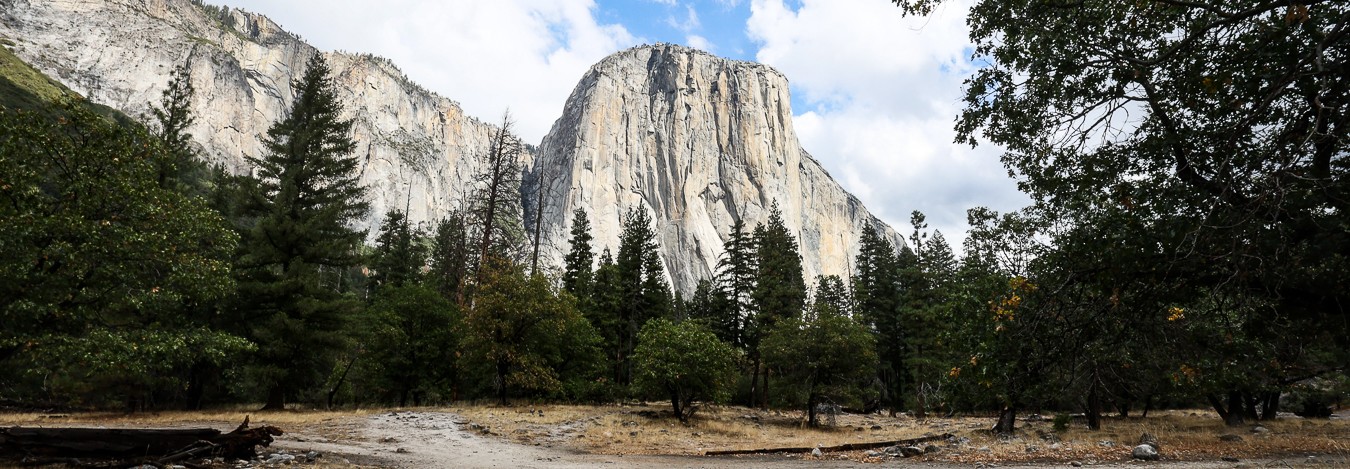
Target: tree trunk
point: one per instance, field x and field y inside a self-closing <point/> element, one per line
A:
<point x="764" y="391"/>
<point x="1094" y="405"/>
<point x="1148" y="405"/>
<point x="502" y="369"/>
<point x="1231" y="413"/>
<point x="754" y="380"/>
<point x="1270" y="406"/>
<point x="332" y="392"/>
<point x="196" y="388"/>
<point x="1007" y="421"/>
<point x="675" y="402"/>
<point x="811" y="419"/>
<point x="276" y="398"/>
<point x="1249" y="401"/>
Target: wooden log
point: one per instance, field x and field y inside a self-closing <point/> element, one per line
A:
<point x="148" y="445"/>
<point x="831" y="449"/>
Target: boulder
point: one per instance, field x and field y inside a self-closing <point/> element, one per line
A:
<point x="1145" y="453"/>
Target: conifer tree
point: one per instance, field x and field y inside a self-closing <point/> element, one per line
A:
<point x="876" y="291"/>
<point x="172" y="118"/>
<point x="578" y="263"/>
<point x="310" y="196"/>
<point x="780" y="289"/>
<point x="399" y="256"/>
<point x="642" y="292"/>
<point x="451" y="256"/>
<point x="606" y="297"/>
<point x="736" y="280"/>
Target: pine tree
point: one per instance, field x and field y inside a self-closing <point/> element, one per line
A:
<point x="641" y="288"/>
<point x="606" y="298"/>
<point x="780" y="289"/>
<point x="451" y="257"/>
<point x="310" y="196"/>
<point x="736" y="271"/>
<point x="399" y="256"/>
<point x="876" y="292"/>
<point x="173" y="116"/>
<point x="577" y="272"/>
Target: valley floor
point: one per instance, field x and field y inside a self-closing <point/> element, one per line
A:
<point x="646" y="437"/>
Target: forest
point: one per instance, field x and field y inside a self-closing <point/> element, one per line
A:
<point x="1186" y="246"/>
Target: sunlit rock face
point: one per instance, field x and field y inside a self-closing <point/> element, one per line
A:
<point x="697" y="140"/>
<point x="418" y="150"/>
<point x="700" y="142"/>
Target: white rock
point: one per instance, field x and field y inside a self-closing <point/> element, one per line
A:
<point x="1145" y="452"/>
<point x="699" y="142"/>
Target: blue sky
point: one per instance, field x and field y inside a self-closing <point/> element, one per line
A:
<point x="717" y="26"/>
<point x="874" y="93"/>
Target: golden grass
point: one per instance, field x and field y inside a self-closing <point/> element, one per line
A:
<point x="650" y="429"/>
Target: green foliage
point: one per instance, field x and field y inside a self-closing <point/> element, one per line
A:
<point x="1181" y="155"/>
<point x="577" y="265"/>
<point x="399" y="253"/>
<point x="452" y="257"/>
<point x="516" y="329"/>
<point x="780" y="288"/>
<point x="308" y="196"/>
<point x="736" y="270"/>
<point x="877" y="297"/>
<point x="93" y="246"/>
<point x="639" y="286"/>
<point x="826" y="355"/>
<point x="683" y="362"/>
<point x="410" y="338"/>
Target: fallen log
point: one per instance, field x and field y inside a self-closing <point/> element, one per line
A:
<point x="831" y="449"/>
<point x="63" y="445"/>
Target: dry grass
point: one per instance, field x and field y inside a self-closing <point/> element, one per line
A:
<point x="650" y="429"/>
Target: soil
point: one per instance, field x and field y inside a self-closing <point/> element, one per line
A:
<point x="425" y="439"/>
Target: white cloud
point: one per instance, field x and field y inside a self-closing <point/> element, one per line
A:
<point x="882" y="91"/>
<point x="689" y="23"/>
<point x="523" y="54"/>
<point x="699" y="42"/>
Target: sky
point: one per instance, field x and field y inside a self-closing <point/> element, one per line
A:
<point x="875" y="94"/>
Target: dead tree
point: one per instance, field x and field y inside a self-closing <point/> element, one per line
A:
<point x="121" y="447"/>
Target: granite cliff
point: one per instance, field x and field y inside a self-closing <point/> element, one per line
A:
<point x="697" y="140"/>
<point x="419" y="150"/>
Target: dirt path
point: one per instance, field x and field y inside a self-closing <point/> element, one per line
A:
<point x="444" y="440"/>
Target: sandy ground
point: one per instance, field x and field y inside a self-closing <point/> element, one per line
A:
<point x="445" y="440"/>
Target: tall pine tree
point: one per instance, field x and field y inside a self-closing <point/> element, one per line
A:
<point x="642" y="291"/>
<point x="452" y="254"/>
<point x="736" y="280"/>
<point x="399" y="256"/>
<point x="310" y="196"/>
<point x="780" y="288"/>
<point x="876" y="291"/>
<point x="577" y="265"/>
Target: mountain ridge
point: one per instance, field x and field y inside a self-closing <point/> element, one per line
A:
<point x="420" y="149"/>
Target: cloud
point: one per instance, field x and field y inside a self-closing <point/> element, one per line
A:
<point x="523" y="54"/>
<point x="699" y="42"/>
<point x="689" y="23"/>
<point x="877" y="93"/>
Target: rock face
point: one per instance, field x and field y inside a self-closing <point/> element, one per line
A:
<point x="419" y="149"/>
<point x="697" y="140"/>
<point x="700" y="142"/>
